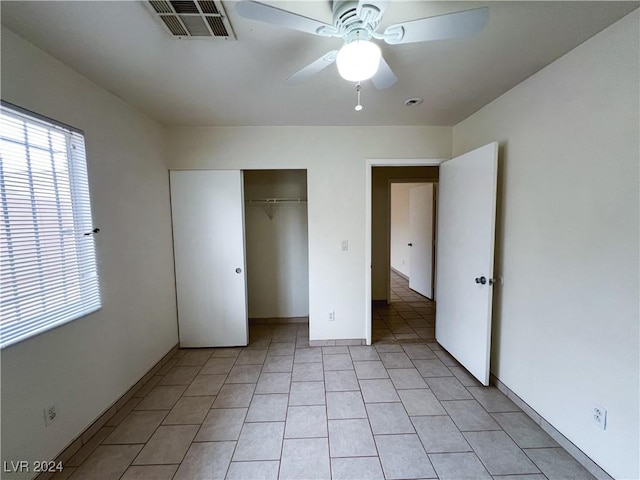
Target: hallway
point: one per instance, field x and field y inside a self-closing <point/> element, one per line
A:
<point x="408" y="317"/>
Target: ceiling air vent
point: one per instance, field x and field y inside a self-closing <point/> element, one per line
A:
<point x="196" y="19"/>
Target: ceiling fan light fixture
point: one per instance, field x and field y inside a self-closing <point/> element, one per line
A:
<point x="358" y="60"/>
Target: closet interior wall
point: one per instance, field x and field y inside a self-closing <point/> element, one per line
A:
<point x="277" y="244"/>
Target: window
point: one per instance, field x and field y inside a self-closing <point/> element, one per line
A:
<point x="48" y="273"/>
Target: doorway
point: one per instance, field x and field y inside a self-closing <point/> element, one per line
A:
<point x="381" y="180"/>
<point x="409" y="314"/>
<point x="412" y="229"/>
<point x="379" y="174"/>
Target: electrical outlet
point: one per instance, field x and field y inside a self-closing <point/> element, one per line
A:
<point x="599" y="416"/>
<point x="50" y="414"/>
<point x="345" y="245"/>
<point x="332" y="316"/>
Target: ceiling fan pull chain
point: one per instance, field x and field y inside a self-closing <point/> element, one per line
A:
<point x="358" y="106"/>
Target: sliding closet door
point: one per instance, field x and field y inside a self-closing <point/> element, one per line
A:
<point x="208" y="237"/>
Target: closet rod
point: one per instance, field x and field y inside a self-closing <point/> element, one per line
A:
<point x="276" y="200"/>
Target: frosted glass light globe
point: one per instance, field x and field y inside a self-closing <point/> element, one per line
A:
<point x="358" y="60"/>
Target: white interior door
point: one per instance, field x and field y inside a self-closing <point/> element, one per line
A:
<point x="421" y="235"/>
<point x="208" y="235"/>
<point x="466" y="234"/>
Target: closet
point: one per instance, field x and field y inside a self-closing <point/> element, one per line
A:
<point x="241" y="250"/>
<point x="277" y="244"/>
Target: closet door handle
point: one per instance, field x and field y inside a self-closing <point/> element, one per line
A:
<point x="238" y="270"/>
<point x="410" y="244"/>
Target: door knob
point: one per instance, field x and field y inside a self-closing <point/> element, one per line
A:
<point x="410" y="244"/>
<point x="481" y="280"/>
<point x="238" y="270"/>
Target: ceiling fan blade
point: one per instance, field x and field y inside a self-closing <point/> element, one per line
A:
<point x="384" y="77"/>
<point x="276" y="16"/>
<point x="313" y="68"/>
<point x="451" y="25"/>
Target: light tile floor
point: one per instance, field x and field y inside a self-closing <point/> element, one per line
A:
<point x="408" y="317"/>
<point x="401" y="409"/>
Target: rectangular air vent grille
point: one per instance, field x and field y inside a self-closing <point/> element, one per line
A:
<point x="208" y="7"/>
<point x="161" y="7"/>
<point x="195" y="25"/>
<point x="185" y="7"/>
<point x="174" y="25"/>
<point x="187" y="18"/>
<point x="216" y="25"/>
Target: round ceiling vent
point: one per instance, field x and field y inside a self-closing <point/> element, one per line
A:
<point x="412" y="102"/>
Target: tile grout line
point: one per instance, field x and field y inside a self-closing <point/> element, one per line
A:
<point x="161" y="424"/>
<point x="375" y="444"/>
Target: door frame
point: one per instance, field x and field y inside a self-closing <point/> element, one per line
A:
<point x="384" y="162"/>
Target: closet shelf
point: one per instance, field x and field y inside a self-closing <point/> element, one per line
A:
<point x="269" y="203"/>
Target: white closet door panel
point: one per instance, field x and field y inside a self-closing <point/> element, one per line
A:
<point x="208" y="231"/>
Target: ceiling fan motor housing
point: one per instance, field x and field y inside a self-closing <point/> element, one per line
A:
<point x="354" y="23"/>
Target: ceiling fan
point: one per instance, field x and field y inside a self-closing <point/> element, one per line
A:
<point x="356" y="22"/>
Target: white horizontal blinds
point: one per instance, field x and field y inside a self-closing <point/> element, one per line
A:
<point x="48" y="272"/>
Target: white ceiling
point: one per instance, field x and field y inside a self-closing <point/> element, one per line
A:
<point x="212" y="82"/>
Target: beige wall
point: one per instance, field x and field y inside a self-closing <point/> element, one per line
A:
<point x="566" y="327"/>
<point x="335" y="160"/>
<point x="87" y="364"/>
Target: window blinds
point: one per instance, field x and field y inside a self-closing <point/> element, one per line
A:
<point x="48" y="273"/>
